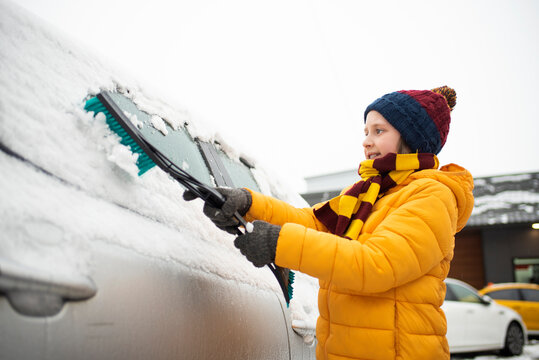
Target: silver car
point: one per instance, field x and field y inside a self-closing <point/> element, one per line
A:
<point x="97" y="262"/>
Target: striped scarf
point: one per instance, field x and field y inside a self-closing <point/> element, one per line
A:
<point x="345" y="214"/>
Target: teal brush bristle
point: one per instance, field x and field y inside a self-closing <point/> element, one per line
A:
<point x="291" y="277"/>
<point x="144" y="162"/>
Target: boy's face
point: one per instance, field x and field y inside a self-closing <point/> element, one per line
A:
<point x="381" y="137"/>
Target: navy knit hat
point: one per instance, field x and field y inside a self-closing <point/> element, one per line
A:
<point x="422" y="117"/>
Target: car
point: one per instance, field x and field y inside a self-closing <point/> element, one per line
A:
<point x="521" y="297"/>
<point x="97" y="262"/>
<point x="476" y="323"/>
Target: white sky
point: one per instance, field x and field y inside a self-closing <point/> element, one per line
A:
<point x="287" y="81"/>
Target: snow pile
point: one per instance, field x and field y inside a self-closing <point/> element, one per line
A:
<point x="159" y="124"/>
<point x="46" y="80"/>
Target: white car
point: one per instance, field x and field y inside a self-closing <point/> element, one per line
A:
<point x="477" y="323"/>
<point x="97" y="262"/>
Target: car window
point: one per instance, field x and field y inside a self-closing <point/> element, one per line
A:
<point x="177" y="145"/>
<point x="239" y="172"/>
<point x="530" y="294"/>
<point x="449" y="295"/>
<point x="463" y="294"/>
<point x="505" y="294"/>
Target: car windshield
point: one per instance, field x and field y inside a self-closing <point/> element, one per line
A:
<point x="461" y="293"/>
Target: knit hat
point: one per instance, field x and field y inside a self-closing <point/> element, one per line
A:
<point x="422" y="117"/>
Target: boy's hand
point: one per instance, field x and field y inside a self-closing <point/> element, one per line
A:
<point x="236" y="200"/>
<point x="259" y="246"/>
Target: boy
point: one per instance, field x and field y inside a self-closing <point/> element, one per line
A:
<point x="382" y="248"/>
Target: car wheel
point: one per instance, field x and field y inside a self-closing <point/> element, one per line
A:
<point x="514" y="340"/>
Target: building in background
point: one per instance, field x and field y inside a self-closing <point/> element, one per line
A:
<point x="499" y="242"/>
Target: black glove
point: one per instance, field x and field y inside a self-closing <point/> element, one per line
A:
<point x="236" y="200"/>
<point x="259" y="246"/>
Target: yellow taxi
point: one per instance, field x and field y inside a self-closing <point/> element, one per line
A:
<point x="521" y="297"/>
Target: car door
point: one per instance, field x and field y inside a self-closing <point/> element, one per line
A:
<point x="88" y="279"/>
<point x="472" y="323"/>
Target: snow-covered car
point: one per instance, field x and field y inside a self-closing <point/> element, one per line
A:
<point x="476" y="323"/>
<point x="97" y="262"/>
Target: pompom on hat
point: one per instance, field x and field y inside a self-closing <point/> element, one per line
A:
<point x="421" y="116"/>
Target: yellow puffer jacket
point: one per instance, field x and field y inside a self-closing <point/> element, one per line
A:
<point x="380" y="296"/>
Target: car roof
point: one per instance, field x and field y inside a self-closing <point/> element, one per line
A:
<point x="500" y="286"/>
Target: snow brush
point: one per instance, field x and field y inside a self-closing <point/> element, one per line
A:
<point x="149" y="156"/>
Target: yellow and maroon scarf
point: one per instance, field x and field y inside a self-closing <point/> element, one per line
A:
<point x="345" y="214"/>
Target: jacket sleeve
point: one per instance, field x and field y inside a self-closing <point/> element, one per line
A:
<point x="279" y="212"/>
<point x="405" y="245"/>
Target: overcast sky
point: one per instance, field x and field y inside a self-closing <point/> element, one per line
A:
<point x="287" y="81"/>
